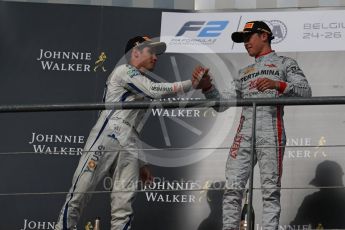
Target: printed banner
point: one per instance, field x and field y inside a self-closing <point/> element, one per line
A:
<point x="54" y="53"/>
<point x="316" y="30"/>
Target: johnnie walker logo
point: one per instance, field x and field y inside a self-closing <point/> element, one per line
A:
<point x="35" y="224"/>
<point x="70" y="61"/>
<point x="306" y="147"/>
<point x="164" y="191"/>
<point x="57" y="144"/>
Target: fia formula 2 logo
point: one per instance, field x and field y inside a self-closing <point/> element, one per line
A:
<point x="204" y="28"/>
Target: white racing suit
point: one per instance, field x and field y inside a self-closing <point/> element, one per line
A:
<point x="270" y="136"/>
<point x="112" y="148"/>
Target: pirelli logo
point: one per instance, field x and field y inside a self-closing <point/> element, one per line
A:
<point x="249" y="25"/>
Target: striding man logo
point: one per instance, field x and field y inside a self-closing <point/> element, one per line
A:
<point x="99" y="64"/>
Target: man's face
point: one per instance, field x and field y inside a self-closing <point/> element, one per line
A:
<point x="255" y="43"/>
<point x="147" y="58"/>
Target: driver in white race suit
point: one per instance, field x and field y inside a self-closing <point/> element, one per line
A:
<point x="271" y="76"/>
<point x="112" y="146"/>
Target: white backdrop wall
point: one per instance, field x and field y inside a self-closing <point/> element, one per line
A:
<point x="201" y="4"/>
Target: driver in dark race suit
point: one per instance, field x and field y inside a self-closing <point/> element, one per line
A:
<point x="112" y="146"/>
<point x="271" y="76"/>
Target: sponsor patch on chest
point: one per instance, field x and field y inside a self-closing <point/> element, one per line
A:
<point x="260" y="73"/>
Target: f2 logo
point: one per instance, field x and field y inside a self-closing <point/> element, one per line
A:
<point x="211" y="29"/>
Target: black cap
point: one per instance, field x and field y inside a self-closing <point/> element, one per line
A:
<point x="328" y="173"/>
<point x="141" y="41"/>
<point x="251" y="27"/>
